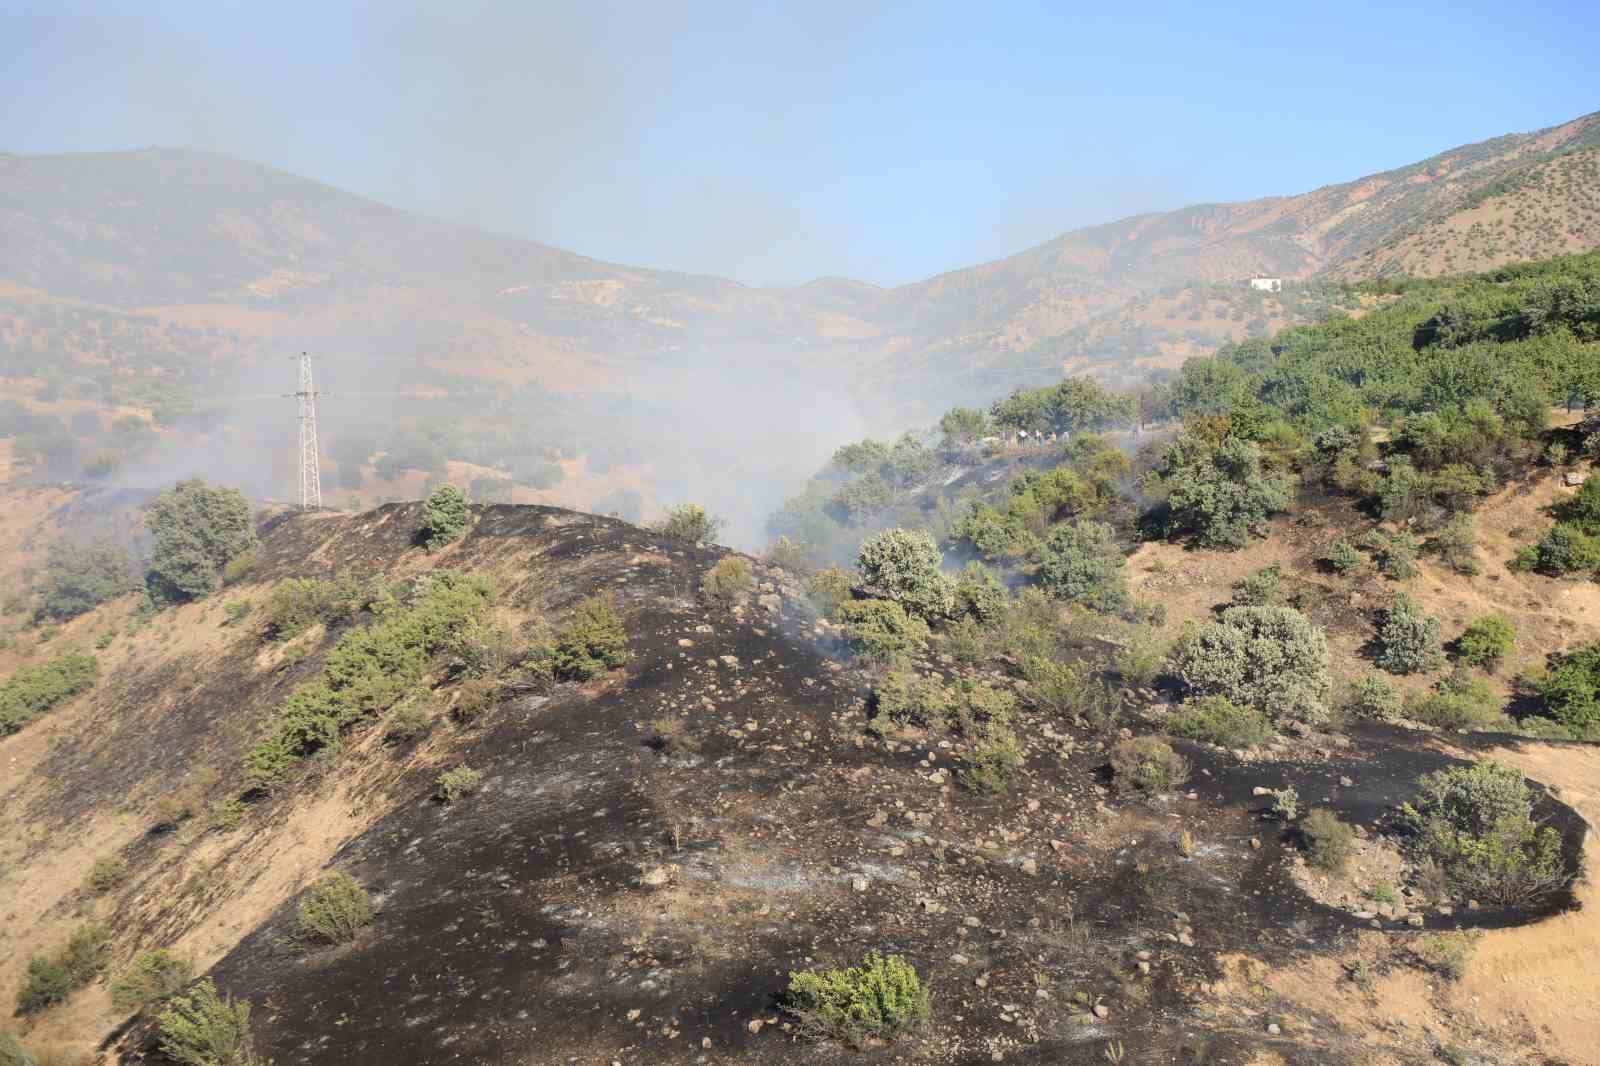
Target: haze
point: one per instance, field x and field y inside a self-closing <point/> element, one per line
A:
<point x="778" y="143"/>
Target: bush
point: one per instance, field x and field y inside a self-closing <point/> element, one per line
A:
<point x="457" y="782"/>
<point x="368" y="670"/>
<point x="1148" y="765"/>
<point x="979" y="594"/>
<point x="334" y="909"/>
<point x="1343" y="557"/>
<point x="991" y="765"/>
<point x="1476" y="822"/>
<point x="1082" y="563"/>
<point x="45" y="983"/>
<point x="728" y="580"/>
<point x="592" y="642"/>
<point x="1370" y="696"/>
<point x="1329" y="842"/>
<point x="1569" y="688"/>
<point x="36" y="690"/>
<point x="204" y="1028"/>
<point x="445" y="516"/>
<point x="1408" y="640"/>
<point x="1460" y="700"/>
<point x="689" y="522"/>
<point x="107" y="873"/>
<point x="1268" y="658"/>
<point x="829" y="591"/>
<point x="154" y="976"/>
<point x="1395" y="554"/>
<point x="1217" y="720"/>
<point x="12" y="1053"/>
<point x="903" y="697"/>
<point x="882" y="631"/>
<point x="903" y="566"/>
<point x="80" y="577"/>
<point x="1487" y="640"/>
<point x="882" y="997"/>
<point x="196" y="530"/>
<point x="1260" y="589"/>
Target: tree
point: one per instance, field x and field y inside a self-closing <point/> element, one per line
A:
<point x="445" y="516"/>
<point x="1269" y="658"/>
<point x="1217" y="492"/>
<point x="1082" y="563"/>
<point x="80" y="577"/>
<point x="1408" y="639"/>
<point x="689" y="522"/>
<point x="196" y="529"/>
<point x="904" y="566"/>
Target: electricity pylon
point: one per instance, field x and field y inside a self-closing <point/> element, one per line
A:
<point x="310" y="469"/>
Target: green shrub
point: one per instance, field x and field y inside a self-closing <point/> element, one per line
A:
<point x="1476" y="822"/>
<point x="1460" y="700"/>
<point x="1329" y="842"/>
<point x="1141" y="659"/>
<point x="882" y="997"/>
<point x="1568" y="689"/>
<point x="903" y="566"/>
<point x="903" y="697"/>
<point x="80" y="577"/>
<point x="1260" y="589"/>
<point x="990" y="765"/>
<point x="979" y="594"/>
<point x="829" y="591"/>
<point x="1218" y="720"/>
<point x="728" y="580"/>
<point x="457" y="782"/>
<point x="196" y="531"/>
<point x="153" y="977"/>
<point x="35" y="690"/>
<point x="368" y="669"/>
<point x="334" y="909"/>
<point x="1082" y="563"/>
<point x="446" y="514"/>
<point x="45" y="983"/>
<point x="12" y="1053"/>
<point x="1408" y="640"/>
<point x="204" y="1028"/>
<point x="689" y="522"/>
<point x="107" y="873"/>
<point x="1370" y="696"/>
<point x="592" y="642"/>
<point x="1269" y="658"/>
<point x="86" y="954"/>
<point x="882" y="631"/>
<point x="1395" y="554"/>
<point x="1487" y="640"/>
<point x="1148" y="765"/>
<point x="1343" y="557"/>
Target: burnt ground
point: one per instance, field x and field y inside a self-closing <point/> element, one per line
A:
<point x="600" y="900"/>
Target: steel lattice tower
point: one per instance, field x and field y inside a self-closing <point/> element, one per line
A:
<point x="310" y="469"/>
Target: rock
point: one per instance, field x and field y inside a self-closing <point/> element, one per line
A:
<point x="1102" y="1011"/>
<point x="1273" y="1029"/>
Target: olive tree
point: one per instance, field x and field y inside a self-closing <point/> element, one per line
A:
<point x="1269" y="658"/>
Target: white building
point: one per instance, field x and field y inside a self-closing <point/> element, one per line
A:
<point x="1266" y="284"/>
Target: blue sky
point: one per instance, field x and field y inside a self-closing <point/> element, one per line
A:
<point x="775" y="143"/>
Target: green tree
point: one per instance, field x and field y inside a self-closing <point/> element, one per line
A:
<point x="1082" y="563"/>
<point x="196" y="529"/>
